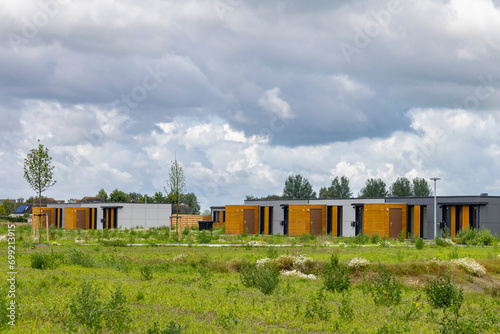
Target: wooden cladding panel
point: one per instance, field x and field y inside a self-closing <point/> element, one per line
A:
<point x="416" y="221"/>
<point x="334" y="218"/>
<point x="235" y="218"/>
<point x="376" y="218"/>
<point x="266" y="220"/>
<point x="465" y="217"/>
<point x="299" y="219"/>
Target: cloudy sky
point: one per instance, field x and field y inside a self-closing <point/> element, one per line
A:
<point x="247" y="93"/>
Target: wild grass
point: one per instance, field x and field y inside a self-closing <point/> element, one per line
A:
<point x="200" y="290"/>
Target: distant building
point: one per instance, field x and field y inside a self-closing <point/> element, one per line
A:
<point x="349" y="217"/>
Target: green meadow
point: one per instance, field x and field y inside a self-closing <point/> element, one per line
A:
<point x="96" y="282"/>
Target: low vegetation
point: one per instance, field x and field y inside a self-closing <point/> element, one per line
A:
<point x="323" y="284"/>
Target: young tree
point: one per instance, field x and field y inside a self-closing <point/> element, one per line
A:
<point x="177" y="184"/>
<point x="421" y="188"/>
<point x="191" y="201"/>
<point x="102" y="194"/>
<point x="401" y="188"/>
<point x="298" y="187"/>
<point x="9" y="207"/>
<point x="117" y="196"/>
<point x="374" y="188"/>
<point x="2" y="209"/>
<point x="338" y="189"/>
<point x="38" y="172"/>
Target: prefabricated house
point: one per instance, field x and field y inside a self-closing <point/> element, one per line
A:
<point x="349" y="217"/>
<point x="107" y="215"/>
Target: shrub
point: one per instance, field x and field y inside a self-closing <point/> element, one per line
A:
<point x="203" y="237"/>
<point x="419" y="243"/>
<point x="172" y="328"/>
<point x="346" y="313"/>
<point x="441" y="293"/>
<point x="475" y="237"/>
<point x="402" y="236"/>
<point x="336" y="277"/>
<point x="43" y="261"/>
<point x="115" y="243"/>
<point x="116" y="312"/>
<point x="375" y="238"/>
<point x="361" y="239"/>
<point x="385" y="289"/>
<point x="285" y="262"/>
<point x="146" y="273"/>
<point x="264" y="277"/>
<point x="234" y="265"/>
<point x="272" y="253"/>
<point x="316" y="306"/>
<point x="305" y="237"/>
<point x="80" y="258"/>
<point x="86" y="308"/>
<point x="185" y="231"/>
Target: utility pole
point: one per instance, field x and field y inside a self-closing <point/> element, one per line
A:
<point x="435" y="206"/>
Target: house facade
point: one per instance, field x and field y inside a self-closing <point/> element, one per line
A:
<point x="350" y="217"/>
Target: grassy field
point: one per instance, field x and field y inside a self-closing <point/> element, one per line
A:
<point x="90" y="281"/>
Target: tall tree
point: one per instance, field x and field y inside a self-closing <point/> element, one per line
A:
<point x="421" y="188"/>
<point x="9" y="207"/>
<point x="374" y="188"/>
<point x="117" y="196"/>
<point x="134" y="197"/>
<point x="191" y="201"/>
<point x="19" y="201"/>
<point x="102" y="194"/>
<point x="158" y="197"/>
<point x="401" y="188"/>
<point x="38" y="171"/>
<point x="177" y="184"/>
<point x="338" y="189"/>
<point x="298" y="187"/>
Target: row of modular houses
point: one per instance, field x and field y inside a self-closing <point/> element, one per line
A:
<point x="106" y="215"/>
<point x="349" y="217"/>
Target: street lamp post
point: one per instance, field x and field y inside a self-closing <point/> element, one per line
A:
<point x="435" y="206"/>
<point x="145" y="211"/>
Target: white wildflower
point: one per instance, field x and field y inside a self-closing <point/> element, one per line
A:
<point x="470" y="266"/>
<point x="255" y="243"/>
<point x="448" y="241"/>
<point x="263" y="261"/>
<point x="357" y="263"/>
<point x="296" y="273"/>
<point x="180" y="258"/>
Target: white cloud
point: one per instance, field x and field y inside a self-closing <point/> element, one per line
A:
<point x="273" y="103"/>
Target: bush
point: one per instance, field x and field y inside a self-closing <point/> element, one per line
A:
<point x="146" y="273"/>
<point x="43" y="261"/>
<point x="375" y="238"/>
<point x="419" y="243"/>
<point x="203" y="237"/>
<point x="114" y="243"/>
<point x="116" y="312"/>
<point x="172" y="328"/>
<point x="385" y="289"/>
<point x="264" y="277"/>
<point x="441" y="293"/>
<point x="402" y="236"/>
<point x="475" y="237"/>
<point x="337" y="277"/>
<point x="80" y="258"/>
<point x="87" y="309"/>
<point x="305" y="237"/>
<point x="361" y="239"/>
